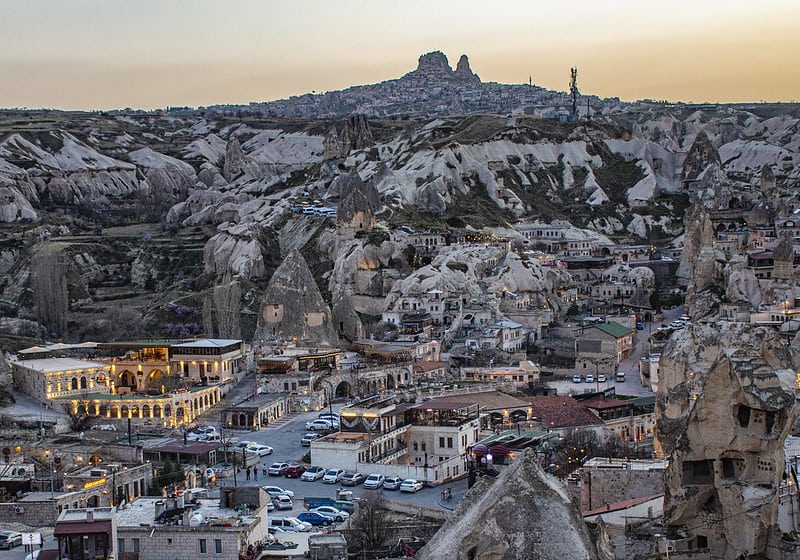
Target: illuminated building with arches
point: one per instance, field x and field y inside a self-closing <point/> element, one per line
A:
<point x="167" y="383"/>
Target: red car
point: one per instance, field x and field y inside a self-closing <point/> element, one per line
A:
<point x="294" y="471"/>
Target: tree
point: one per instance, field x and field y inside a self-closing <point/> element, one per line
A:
<point x="50" y="288"/>
<point x="370" y="523"/>
<point x="227" y="307"/>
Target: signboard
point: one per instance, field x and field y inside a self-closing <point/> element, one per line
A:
<point x="31" y="538"/>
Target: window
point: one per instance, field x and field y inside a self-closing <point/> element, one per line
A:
<point x="135" y="545"/>
<point x="201" y="546"/>
<point x="441" y="442"/>
<point x="450" y="443"/>
<point x="120" y="545"/>
<point x="423" y="446"/>
<point x="217" y="546"/>
<point x="169" y="540"/>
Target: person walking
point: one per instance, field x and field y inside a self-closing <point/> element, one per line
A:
<point x="255" y="472"/>
<point x="248" y="473"/>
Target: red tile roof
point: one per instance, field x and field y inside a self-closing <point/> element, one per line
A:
<point x="562" y="412"/>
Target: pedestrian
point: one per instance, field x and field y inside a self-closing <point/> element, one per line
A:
<point x="248" y="473"/>
<point x="255" y="472"/>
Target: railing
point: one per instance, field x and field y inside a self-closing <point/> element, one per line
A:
<point x="390" y="455"/>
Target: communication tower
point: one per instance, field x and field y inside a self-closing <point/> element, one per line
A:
<point x="573" y="91"/>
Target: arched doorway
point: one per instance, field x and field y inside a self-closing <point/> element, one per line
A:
<point x="127" y="379"/>
<point x="156" y="380"/>
<point x="344" y="390"/>
<point x="518" y="416"/>
<point x="93" y="501"/>
<point x="390" y="381"/>
<point x="146" y="411"/>
<point x="124" y="411"/>
<point x="242" y="420"/>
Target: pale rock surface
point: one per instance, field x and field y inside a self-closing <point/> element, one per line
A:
<point x="724" y="407"/>
<point x="524" y="514"/>
<point x="292" y="306"/>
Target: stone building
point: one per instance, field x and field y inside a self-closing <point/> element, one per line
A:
<point x="172" y="529"/>
<point x="87" y="533"/>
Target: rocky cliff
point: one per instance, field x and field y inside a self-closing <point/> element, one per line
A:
<point x="725" y="405"/>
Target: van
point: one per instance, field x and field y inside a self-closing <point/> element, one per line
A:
<point x="290" y="524"/>
<point x="196" y="493"/>
<point x="620" y="376"/>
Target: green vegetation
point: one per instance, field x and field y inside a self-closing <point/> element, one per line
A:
<point x="455" y="265"/>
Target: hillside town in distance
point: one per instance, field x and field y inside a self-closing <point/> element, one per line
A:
<point x="386" y="335"/>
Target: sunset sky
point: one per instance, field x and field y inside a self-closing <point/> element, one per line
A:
<point x="101" y="54"/>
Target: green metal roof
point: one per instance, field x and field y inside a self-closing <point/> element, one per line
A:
<point x="614" y="329"/>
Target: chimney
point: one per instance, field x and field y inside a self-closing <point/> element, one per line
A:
<point x="161" y="507"/>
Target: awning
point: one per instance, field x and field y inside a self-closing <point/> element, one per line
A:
<point x="83" y="528"/>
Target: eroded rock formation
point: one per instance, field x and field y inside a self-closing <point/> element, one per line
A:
<point x="725" y="405"/>
<point x="525" y="514"/>
<point x="293" y="307"/>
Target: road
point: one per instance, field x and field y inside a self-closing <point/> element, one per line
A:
<point x="284" y="437"/>
<point x="630" y="365"/>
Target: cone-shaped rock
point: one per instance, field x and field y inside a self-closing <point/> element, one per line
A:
<point x="292" y="306"/>
<point x="524" y="514"/>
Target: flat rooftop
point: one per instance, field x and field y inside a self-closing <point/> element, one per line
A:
<point x="54" y="365"/>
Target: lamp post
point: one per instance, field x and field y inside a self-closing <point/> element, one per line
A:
<point x="52" y="488"/>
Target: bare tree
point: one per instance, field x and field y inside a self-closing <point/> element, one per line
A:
<point x="208" y="314"/>
<point x="370" y="523"/>
<point x="227" y="307"/>
<point x="49" y="279"/>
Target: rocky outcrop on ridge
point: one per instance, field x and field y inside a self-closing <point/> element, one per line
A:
<point x="524" y="514"/>
<point x="463" y="72"/>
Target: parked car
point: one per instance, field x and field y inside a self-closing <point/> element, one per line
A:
<point x="352" y="479"/>
<point x="312" y="474"/>
<point x="576" y="379"/>
<point x="319" y="425"/>
<point x="411" y="485"/>
<point x="337" y="514"/>
<point x="590" y="378"/>
<point x="201" y="431"/>
<point x="277" y="491"/>
<point x="282" y="501"/>
<point x="306" y="440"/>
<point x="315" y="518"/>
<point x="277" y="469"/>
<point x="392" y="483"/>
<point x="10" y="539"/>
<point x="260" y="450"/>
<point x="244" y="444"/>
<point x="333" y="476"/>
<point x="294" y="471"/>
<point x="374" y="481"/>
<point x="291" y="524"/>
<point x="601" y="378"/>
<point x="620" y="376"/>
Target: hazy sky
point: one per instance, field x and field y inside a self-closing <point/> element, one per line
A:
<point x="84" y="54"/>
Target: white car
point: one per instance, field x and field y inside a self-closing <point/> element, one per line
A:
<point x="319" y="424"/>
<point x="333" y="476"/>
<point x="312" y="474"/>
<point x="244" y="444"/>
<point x="601" y="378"/>
<point x="374" y="481"/>
<point x="283" y="502"/>
<point x="411" y="485"/>
<point x="260" y="450"/>
<point x="277" y="491"/>
<point x="330" y="511"/>
<point x="590" y="378"/>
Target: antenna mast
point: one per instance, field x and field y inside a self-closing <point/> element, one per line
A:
<point x="573" y="91"/>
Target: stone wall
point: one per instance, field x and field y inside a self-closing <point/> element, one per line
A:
<point x="600" y="487"/>
<point x="34" y="514"/>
